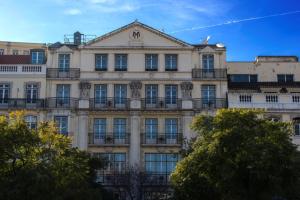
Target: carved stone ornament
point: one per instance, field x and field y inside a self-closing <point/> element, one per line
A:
<point x="84" y="90"/>
<point x="186" y="88"/>
<point x="135" y="87"/>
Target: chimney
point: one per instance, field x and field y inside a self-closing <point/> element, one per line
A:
<point x="77" y="38"/>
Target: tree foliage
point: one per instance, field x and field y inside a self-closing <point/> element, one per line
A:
<point x="41" y="164"/>
<point x="239" y="155"/>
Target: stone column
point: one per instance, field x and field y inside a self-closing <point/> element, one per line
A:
<point x="84" y="94"/>
<point x="186" y="88"/>
<point x="187" y="119"/>
<point x="83" y="127"/>
<point x="135" y="102"/>
<point x="135" y="139"/>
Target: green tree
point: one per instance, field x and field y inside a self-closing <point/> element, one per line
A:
<point x="41" y="164"/>
<point x="239" y="155"/>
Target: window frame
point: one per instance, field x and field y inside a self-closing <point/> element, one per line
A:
<point x="152" y="67"/>
<point x="121" y="65"/>
<point x="101" y="68"/>
<point x="171" y="62"/>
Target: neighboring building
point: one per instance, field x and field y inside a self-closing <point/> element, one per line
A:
<point x="269" y="82"/>
<point x="130" y="95"/>
<point x="19" y="48"/>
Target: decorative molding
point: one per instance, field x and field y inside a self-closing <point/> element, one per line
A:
<point x="84" y="87"/>
<point x="186" y="88"/>
<point x="135" y="87"/>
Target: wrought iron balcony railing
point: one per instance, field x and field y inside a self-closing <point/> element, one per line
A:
<point x="161" y="139"/>
<point x="21" y="103"/>
<point x="109" y="139"/>
<point x="56" y="73"/>
<point x="58" y="102"/>
<point x="109" y="103"/>
<point x="161" y="103"/>
<point x="209" y="74"/>
<point x="155" y="179"/>
<point x="203" y="103"/>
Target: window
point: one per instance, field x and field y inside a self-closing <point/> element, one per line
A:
<point x="248" y="78"/>
<point x="100" y="94"/>
<point x="101" y="62"/>
<point x="31" y="92"/>
<point x="151" y="94"/>
<point x="63" y="94"/>
<point x="120" y="94"/>
<point x="37" y="57"/>
<point x="15" y="52"/>
<point x="151" y="62"/>
<point x="271" y="98"/>
<point x="208" y="93"/>
<point x="171" y="94"/>
<point x="26" y="52"/>
<point x="171" y="129"/>
<point x="1" y="51"/>
<point x="208" y="62"/>
<point x="99" y="130"/>
<point x="4" y="93"/>
<point x="115" y="161"/>
<point x="64" y="62"/>
<point x="296" y="98"/>
<point x="245" y="98"/>
<point x="151" y="129"/>
<point x="119" y="130"/>
<point x="121" y="62"/>
<point x="297" y="127"/>
<point x="160" y="163"/>
<point x="285" y="78"/>
<point x="171" y="62"/>
<point x="31" y="121"/>
<point x="62" y="124"/>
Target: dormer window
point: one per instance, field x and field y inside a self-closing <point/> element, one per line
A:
<point x="208" y="62"/>
<point x="37" y="57"/>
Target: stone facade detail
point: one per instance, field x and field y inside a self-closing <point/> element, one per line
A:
<point x="84" y="90"/>
<point x="135" y="87"/>
<point x="186" y="88"/>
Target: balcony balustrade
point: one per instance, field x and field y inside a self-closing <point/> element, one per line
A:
<point x="209" y="74"/>
<point x="56" y="73"/>
<point x="22" y="69"/>
<point x="109" y="139"/>
<point x="22" y="103"/>
<point x="203" y="103"/>
<point x="161" y="139"/>
<point x="161" y="104"/>
<point x="155" y="179"/>
<point x="65" y="103"/>
<point x="109" y="103"/>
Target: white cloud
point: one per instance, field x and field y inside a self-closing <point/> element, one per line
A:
<point x="102" y="1"/>
<point x="72" y="11"/>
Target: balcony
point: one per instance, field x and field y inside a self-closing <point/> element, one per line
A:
<point x="112" y="178"/>
<point x="200" y="104"/>
<point x="209" y="74"/>
<point x="22" y="103"/>
<point x="162" y="139"/>
<point x="155" y="179"/>
<point x="56" y="73"/>
<point x="109" y="139"/>
<point x="109" y="104"/>
<point x="161" y="104"/>
<point x="64" y="103"/>
<point x="22" y="69"/>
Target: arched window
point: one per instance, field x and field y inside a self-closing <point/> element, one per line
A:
<point x="297" y="126"/>
<point x="31" y="121"/>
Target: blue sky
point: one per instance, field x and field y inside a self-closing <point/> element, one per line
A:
<point x="190" y="20"/>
